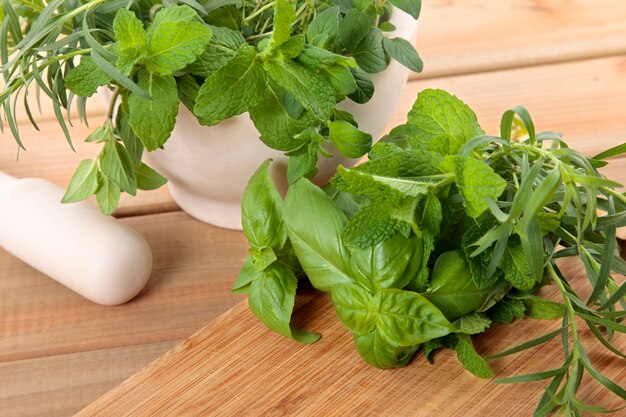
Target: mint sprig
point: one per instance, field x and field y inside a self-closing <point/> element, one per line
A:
<point x="286" y="62"/>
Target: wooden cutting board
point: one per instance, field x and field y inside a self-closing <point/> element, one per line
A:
<point x="236" y="367"/>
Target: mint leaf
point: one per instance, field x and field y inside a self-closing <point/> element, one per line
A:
<point x="442" y="122"/>
<point x="302" y="163"/>
<point x="310" y="89"/>
<point x="129" y="31"/>
<point x="342" y="80"/>
<point x="233" y="89"/>
<point x="355" y="25"/>
<point x="85" y="79"/>
<point x="223" y="45"/>
<point x="277" y="127"/>
<point x="116" y="165"/>
<point x="188" y="89"/>
<point x="349" y="140"/>
<point x="324" y="28"/>
<point x="516" y="268"/>
<point x="84" y="182"/>
<point x="174" y="45"/>
<point x="404" y="52"/>
<point x="472" y="323"/>
<point x="477" y="183"/>
<point x="412" y="7"/>
<point x="284" y="16"/>
<point x="364" y="86"/>
<point x="540" y="308"/>
<point x="371" y="225"/>
<point x="370" y="54"/>
<point x="506" y="311"/>
<point x="403" y="163"/>
<point x="153" y="120"/>
<point x="471" y="360"/>
<point x="108" y="195"/>
<point x="148" y="179"/>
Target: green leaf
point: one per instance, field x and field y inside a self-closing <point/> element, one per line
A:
<point x="342" y="80"/>
<point x="371" y="225"/>
<point x="310" y="89"/>
<point x="356" y="307"/>
<point x="85" y="79"/>
<point x="277" y="127"/>
<point x="318" y="244"/>
<point x="355" y="25"/>
<point x="376" y="351"/>
<point x="506" y="311"/>
<point x="404" y="52"/>
<point x="439" y="119"/>
<point x="471" y="360"/>
<point x="247" y="274"/>
<point x="108" y="195"/>
<point x="233" y="89"/>
<point x="262" y="211"/>
<point x="84" y="182"/>
<point x="452" y="288"/>
<point x="370" y="53"/>
<point x="148" y="179"/>
<point x="614" y="151"/>
<point x="406" y="318"/>
<point x="131" y="142"/>
<point x="222" y="47"/>
<point x="412" y="7"/>
<point x="516" y="268"/>
<point x="477" y="183"/>
<point x="188" y="89"/>
<point x="324" y="28"/>
<point x="472" y="323"/>
<point x="117" y="166"/>
<point x="153" y="120"/>
<point x="388" y="264"/>
<point x="302" y="163"/>
<point x="272" y="298"/>
<point x="284" y="17"/>
<point x="364" y="86"/>
<point x="349" y="140"/>
<point x="129" y="31"/>
<point x="172" y="45"/>
<point x="540" y="308"/>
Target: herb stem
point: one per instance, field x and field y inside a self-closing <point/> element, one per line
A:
<point x="259" y="11"/>
<point x="114" y="97"/>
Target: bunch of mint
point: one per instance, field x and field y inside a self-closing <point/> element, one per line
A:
<point x="443" y="232"/>
<point x="285" y="62"/>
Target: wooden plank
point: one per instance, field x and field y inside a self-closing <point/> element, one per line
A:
<point x="466" y="36"/>
<point x="195" y="266"/>
<point x="64" y="384"/>
<point x="235" y="366"/>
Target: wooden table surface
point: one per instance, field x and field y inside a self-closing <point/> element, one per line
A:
<point x="565" y="60"/>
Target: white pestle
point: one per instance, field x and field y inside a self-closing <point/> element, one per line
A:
<point x="76" y="245"/>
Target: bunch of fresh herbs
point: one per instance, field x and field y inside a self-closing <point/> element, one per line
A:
<point x="441" y="233"/>
<point x="286" y="62"/>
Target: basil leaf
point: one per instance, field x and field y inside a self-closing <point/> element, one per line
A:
<point x="108" y="195"/>
<point x="148" y="179"/>
<point x="376" y="351"/>
<point x="261" y="210"/>
<point x="272" y="297"/>
<point x="356" y="307"/>
<point x="406" y="319"/>
<point x="84" y="182"/>
<point x="318" y="244"/>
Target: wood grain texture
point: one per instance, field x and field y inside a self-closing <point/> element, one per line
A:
<point x="465" y="36"/>
<point x="194" y="267"/>
<point x="235" y="366"/>
<point x="61" y="385"/>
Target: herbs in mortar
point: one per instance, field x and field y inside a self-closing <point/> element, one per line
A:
<point x="285" y="62"/>
<point x="443" y="232"/>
